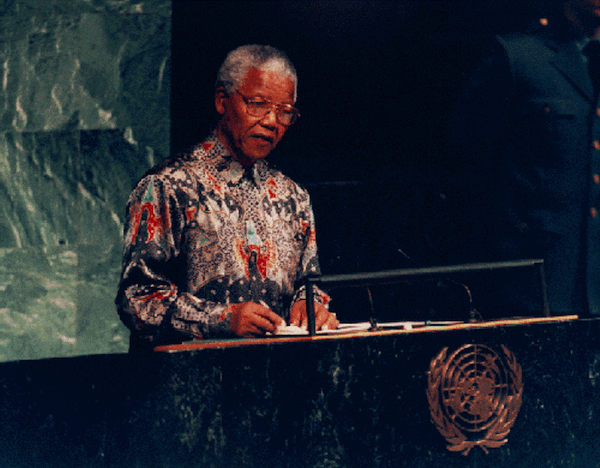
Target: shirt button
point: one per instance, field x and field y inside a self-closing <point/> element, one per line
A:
<point x="593" y="212"/>
<point x="596" y="144"/>
<point x="596" y="178"/>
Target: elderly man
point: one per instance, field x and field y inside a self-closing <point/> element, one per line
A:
<point x="215" y="240"/>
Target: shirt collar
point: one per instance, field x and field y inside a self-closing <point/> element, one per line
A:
<point x="213" y="152"/>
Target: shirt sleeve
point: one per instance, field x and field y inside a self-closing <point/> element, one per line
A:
<point x="150" y="301"/>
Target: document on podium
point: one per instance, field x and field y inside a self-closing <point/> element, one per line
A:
<point x="292" y="330"/>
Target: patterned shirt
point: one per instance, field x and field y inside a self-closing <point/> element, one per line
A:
<point x="203" y="233"/>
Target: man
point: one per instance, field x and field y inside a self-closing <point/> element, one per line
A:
<point x="527" y="133"/>
<point x="215" y="240"/>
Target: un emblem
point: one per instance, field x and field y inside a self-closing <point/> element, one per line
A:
<point x="474" y="396"/>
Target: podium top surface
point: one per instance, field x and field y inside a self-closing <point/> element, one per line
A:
<point x="361" y="330"/>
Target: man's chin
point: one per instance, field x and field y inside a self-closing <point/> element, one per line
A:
<point x="249" y="158"/>
<point x="258" y="152"/>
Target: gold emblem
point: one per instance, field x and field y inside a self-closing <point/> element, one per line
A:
<point x="474" y="396"/>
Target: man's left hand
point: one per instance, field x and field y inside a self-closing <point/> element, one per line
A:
<point x="324" y="320"/>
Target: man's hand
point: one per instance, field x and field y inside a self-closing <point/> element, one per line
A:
<point x="324" y="320"/>
<point x="250" y="319"/>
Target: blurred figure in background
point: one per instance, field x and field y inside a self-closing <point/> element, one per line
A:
<point x="524" y="143"/>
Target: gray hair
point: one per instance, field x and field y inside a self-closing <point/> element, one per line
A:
<point x="261" y="57"/>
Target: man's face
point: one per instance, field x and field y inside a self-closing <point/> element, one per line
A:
<point x="252" y="138"/>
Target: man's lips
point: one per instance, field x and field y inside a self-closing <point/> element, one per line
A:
<point x="264" y="138"/>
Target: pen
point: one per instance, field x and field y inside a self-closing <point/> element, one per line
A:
<point x="264" y="304"/>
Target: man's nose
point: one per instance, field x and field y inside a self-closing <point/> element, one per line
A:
<point x="270" y="118"/>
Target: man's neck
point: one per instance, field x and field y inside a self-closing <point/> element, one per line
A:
<point x="242" y="159"/>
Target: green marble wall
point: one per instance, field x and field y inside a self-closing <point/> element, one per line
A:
<point x="84" y="112"/>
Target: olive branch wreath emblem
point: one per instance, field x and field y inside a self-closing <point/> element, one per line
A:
<point x="474" y="396"/>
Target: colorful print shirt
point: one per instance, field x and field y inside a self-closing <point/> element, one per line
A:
<point x="203" y="233"/>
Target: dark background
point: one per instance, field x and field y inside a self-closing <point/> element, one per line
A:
<point x="376" y="78"/>
<point x="377" y="81"/>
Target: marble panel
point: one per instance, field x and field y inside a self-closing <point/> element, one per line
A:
<point x="84" y="112"/>
<point x="159" y="7"/>
<point x="62" y="205"/>
<point x="76" y="69"/>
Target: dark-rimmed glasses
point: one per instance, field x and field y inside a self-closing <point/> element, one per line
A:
<point x="286" y="114"/>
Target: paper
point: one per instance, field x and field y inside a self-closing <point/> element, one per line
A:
<point x="292" y="330"/>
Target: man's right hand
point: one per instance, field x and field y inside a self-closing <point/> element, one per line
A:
<point x="250" y="319"/>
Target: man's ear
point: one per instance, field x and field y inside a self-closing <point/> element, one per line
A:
<point x="220" y="97"/>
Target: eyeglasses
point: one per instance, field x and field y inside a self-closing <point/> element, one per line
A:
<point x="256" y="107"/>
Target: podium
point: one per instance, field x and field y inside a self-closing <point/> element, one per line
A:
<point x="507" y="392"/>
